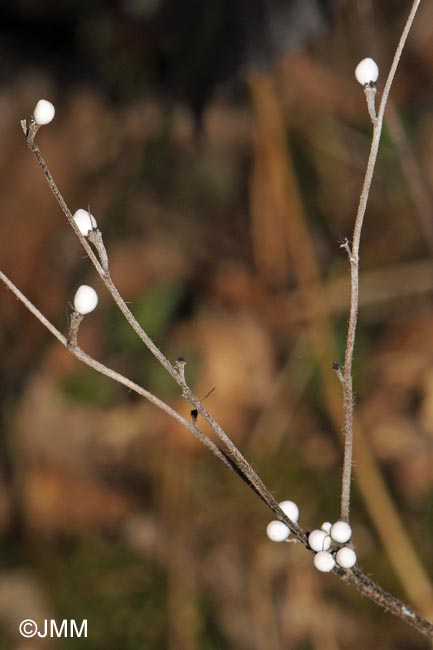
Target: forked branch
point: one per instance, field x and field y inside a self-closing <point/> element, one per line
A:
<point x="354" y="577"/>
<point x="353" y="254"/>
<point x="231" y="456"/>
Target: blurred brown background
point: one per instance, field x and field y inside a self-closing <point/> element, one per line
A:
<point x="221" y="147"/>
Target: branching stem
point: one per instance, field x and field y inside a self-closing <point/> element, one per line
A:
<point x="353" y="254"/>
<point x="233" y="458"/>
<point x="102" y="270"/>
<point x="354" y="577"/>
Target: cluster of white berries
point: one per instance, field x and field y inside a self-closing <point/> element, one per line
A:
<point x="328" y="543"/>
<point x="276" y="530"/>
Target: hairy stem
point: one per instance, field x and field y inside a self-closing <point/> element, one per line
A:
<point x="234" y="460"/>
<point x="73" y="348"/>
<point x="353" y="253"/>
<point x="355" y="577"/>
<point x="245" y="469"/>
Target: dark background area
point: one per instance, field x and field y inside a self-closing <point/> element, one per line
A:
<point x="221" y="147"/>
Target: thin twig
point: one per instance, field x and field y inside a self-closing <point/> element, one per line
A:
<point x="285" y="198"/>
<point x="354" y="577"/>
<point x="353" y="253"/>
<point x="370" y="91"/>
<point x="234" y="460"/>
<point x="412" y="171"/>
<point x="237" y="457"/>
<point x="73" y="348"/>
<point x="104" y="274"/>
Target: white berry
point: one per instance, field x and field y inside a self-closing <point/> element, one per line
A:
<point x="319" y="540"/>
<point x="44" y="112"/>
<point x="326" y="526"/>
<point x="85" y="299"/>
<point x="341" y="532"/>
<point x="290" y="509"/>
<point x="346" y="557"/>
<point x="85" y="221"/>
<point x="366" y="71"/>
<point x="324" y="561"/>
<point x="277" y="531"/>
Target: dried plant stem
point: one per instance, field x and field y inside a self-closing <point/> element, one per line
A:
<point x="73" y="348"/>
<point x="353" y="253"/>
<point x="284" y="195"/>
<point x="235" y="457"/>
<point x="354" y="577"/>
<point x="235" y="461"/>
<point x="102" y="272"/>
<point x="412" y="171"/>
<point x="369" y="588"/>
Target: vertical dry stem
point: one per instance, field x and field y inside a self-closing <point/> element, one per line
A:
<point x="284" y="198"/>
<point x="353" y="253"/>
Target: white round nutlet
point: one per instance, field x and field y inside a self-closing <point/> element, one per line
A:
<point x="290" y="509"/>
<point x="319" y="540"/>
<point x="44" y="112"/>
<point x="277" y="531"/>
<point x="341" y="532"/>
<point x="85" y="221"/>
<point x="346" y="557"/>
<point x="85" y="299"/>
<point x="324" y="561"/>
<point x="367" y="71"/>
<point x="326" y="526"/>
